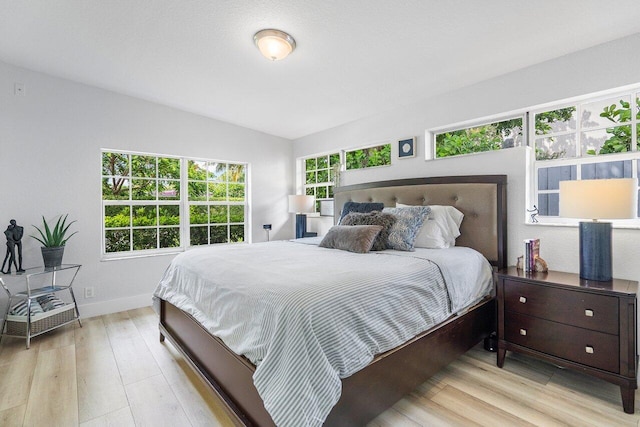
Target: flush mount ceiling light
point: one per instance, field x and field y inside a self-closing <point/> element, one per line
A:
<point x="274" y="44"/>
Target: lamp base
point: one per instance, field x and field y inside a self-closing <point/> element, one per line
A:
<point x="595" y="251"/>
<point x="301" y="225"/>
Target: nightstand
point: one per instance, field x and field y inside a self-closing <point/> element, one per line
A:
<point x="584" y="325"/>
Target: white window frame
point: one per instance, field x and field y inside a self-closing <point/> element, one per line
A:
<point x="183" y="203"/>
<point x="431" y="134"/>
<point x="580" y="160"/>
<point x="344" y="152"/>
<point x="303" y="173"/>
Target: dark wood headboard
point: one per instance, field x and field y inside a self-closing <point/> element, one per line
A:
<point x="481" y="198"/>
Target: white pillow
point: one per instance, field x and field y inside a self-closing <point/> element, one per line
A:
<point x="441" y="228"/>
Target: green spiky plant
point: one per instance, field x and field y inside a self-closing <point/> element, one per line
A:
<point x="56" y="237"/>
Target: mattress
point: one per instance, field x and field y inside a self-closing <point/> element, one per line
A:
<point x="308" y="316"/>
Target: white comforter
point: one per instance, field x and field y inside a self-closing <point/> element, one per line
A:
<point x="307" y="316"/>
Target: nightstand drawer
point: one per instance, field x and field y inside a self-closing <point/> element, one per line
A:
<point x="590" y="348"/>
<point x="586" y="310"/>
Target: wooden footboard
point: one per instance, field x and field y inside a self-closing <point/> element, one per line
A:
<point x="365" y="394"/>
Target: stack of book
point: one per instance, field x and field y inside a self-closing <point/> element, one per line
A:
<point x="531" y="252"/>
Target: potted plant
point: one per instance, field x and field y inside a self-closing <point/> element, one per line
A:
<point x="53" y="240"/>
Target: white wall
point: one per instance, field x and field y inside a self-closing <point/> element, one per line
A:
<point x="600" y="68"/>
<point x="50" y="163"/>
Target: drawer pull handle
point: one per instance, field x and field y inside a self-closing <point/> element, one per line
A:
<point x="588" y="313"/>
<point x="589" y="349"/>
<point x="523" y="332"/>
<point x="523" y="300"/>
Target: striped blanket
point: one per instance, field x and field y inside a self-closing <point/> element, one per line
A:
<point x="307" y="316"/>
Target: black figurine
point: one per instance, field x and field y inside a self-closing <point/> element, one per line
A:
<point x="14" y="238"/>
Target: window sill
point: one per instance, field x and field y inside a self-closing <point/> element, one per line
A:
<point x="616" y="225"/>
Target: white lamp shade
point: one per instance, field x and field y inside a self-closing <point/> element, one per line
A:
<point x="301" y="204"/>
<point x="274" y="44"/>
<point x="599" y="198"/>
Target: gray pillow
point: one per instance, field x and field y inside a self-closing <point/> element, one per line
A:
<point x="408" y="222"/>
<point x="386" y="220"/>
<point x="360" y="207"/>
<point x="352" y="238"/>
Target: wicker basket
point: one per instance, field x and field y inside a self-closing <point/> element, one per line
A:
<point x="17" y="325"/>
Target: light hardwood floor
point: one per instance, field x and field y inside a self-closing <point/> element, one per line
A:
<point x="115" y="372"/>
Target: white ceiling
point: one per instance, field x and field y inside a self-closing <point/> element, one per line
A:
<point x="355" y="58"/>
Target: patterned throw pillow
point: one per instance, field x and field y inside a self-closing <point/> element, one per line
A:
<point x="360" y="207"/>
<point x="408" y="222"/>
<point x="352" y="238"/>
<point x="20" y="309"/>
<point x="386" y="220"/>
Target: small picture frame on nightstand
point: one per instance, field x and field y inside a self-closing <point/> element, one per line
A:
<point x="407" y="148"/>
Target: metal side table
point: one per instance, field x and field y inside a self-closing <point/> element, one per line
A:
<point x="40" y="281"/>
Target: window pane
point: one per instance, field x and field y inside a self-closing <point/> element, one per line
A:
<point x="557" y="147"/>
<point x="218" y="214"/>
<point x="549" y="204"/>
<point x="197" y="170"/>
<point x="322" y="162"/>
<point x="169" y="215"/>
<point x="330" y="191"/>
<point x="334" y="159"/>
<point x="115" y="164"/>
<point x="489" y="137"/>
<point x="143" y="166"/>
<point x="144" y="216"/>
<point x="323" y="175"/>
<point x="369" y="157"/>
<point x="115" y="188"/>
<point x="607" y="141"/>
<point x="117" y="241"/>
<point x="168" y="168"/>
<point x="549" y="178"/>
<point x="236" y="233"/>
<point x="197" y="191"/>
<point x="310" y="191"/>
<point x="170" y="237"/>
<point x="604" y="170"/>
<point x="198" y="236"/>
<point x="311" y="177"/>
<point x="561" y="120"/>
<point x="169" y="190"/>
<point x="321" y="192"/>
<point x="143" y="189"/>
<point x="198" y="214"/>
<point x="606" y="112"/>
<point x="117" y="216"/>
<point x="236" y="213"/>
<point x="236" y="192"/>
<point x="145" y="238"/>
<point x="217" y="172"/>
<point x="236" y="172"/>
<point x="218" y="192"/>
<point x="310" y="164"/>
<point x="218" y="234"/>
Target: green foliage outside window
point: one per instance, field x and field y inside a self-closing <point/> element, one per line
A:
<point x="368" y="157"/>
<point x="620" y="138"/>
<point x="215" y="190"/>
<point x="489" y="137"/>
<point x="319" y="176"/>
<point x="216" y="202"/>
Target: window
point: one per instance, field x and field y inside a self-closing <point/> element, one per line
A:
<point x="593" y="139"/>
<point x="145" y="209"/>
<point x="368" y="157"/>
<point x="319" y="176"/>
<point x="216" y="202"/>
<point x="474" y="139"/>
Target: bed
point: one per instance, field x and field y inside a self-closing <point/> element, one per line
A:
<point x="393" y="372"/>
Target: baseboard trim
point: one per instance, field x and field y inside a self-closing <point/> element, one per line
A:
<point x="114" y="305"/>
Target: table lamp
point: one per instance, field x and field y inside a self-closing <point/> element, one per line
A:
<point x="598" y="199"/>
<point x="300" y="204"/>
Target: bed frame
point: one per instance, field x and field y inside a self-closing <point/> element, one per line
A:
<point x="395" y="373"/>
